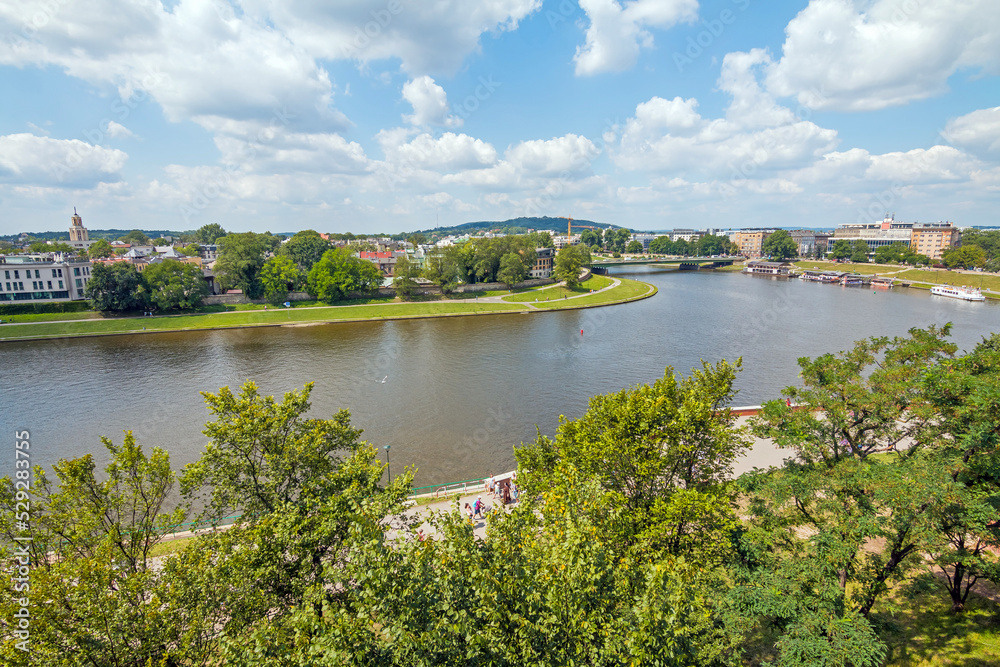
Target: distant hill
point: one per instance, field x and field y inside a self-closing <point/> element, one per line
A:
<point x="512" y="226"/>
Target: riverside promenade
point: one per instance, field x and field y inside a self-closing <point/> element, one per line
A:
<point x="762" y="454"/>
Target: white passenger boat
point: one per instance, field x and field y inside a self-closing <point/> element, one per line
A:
<point x="963" y="292"/>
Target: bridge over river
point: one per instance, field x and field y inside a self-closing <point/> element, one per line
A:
<point x="601" y="266"/>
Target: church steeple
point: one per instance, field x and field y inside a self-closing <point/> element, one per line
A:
<point x="77" y="232"/>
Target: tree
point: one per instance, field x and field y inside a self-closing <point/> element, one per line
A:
<point x="91" y="550"/>
<point x="100" y="249"/>
<point x="616" y="239"/>
<point x="869" y="517"/>
<point x="569" y="261"/>
<point x="966" y="257"/>
<point x="710" y="244"/>
<point x="210" y="234"/>
<point x="841" y="249"/>
<point x="660" y="454"/>
<point x="404" y="276"/>
<point x="965" y="393"/>
<point x="417" y="239"/>
<point x="859" y="251"/>
<point x="662" y="245"/>
<point x="191" y="250"/>
<point x="135" y="237"/>
<point x="590" y="238"/>
<point x="892" y="253"/>
<point x="634" y="247"/>
<point x="279" y="276"/>
<point x="241" y="257"/>
<point x="339" y="272"/>
<point x="780" y="246"/>
<point x="173" y="284"/>
<point x="117" y="286"/>
<point x="512" y="269"/>
<point x="444" y="268"/>
<point x="42" y="246"/>
<point x="301" y="485"/>
<point x="305" y="248"/>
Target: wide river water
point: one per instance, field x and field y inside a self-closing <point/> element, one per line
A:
<point x="451" y="396"/>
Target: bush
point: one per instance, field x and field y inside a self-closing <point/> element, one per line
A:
<point x="57" y="307"/>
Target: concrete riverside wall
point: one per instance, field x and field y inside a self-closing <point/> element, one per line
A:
<point x="232" y="299"/>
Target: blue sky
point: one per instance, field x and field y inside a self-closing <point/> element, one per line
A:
<point x="392" y="115"/>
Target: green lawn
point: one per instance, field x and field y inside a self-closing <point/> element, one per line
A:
<point x="922" y="631"/>
<point x="551" y="292"/>
<point x="628" y="290"/>
<point x="986" y="280"/>
<point x="253" y="318"/>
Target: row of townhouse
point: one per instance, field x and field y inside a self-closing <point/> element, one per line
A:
<point x="40" y="280"/>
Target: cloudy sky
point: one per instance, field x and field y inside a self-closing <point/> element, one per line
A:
<point x="392" y="115"/>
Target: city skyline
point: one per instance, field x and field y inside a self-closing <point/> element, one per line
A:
<point x="388" y="116"/>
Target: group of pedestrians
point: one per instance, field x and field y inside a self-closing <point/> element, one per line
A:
<point x="505" y="491"/>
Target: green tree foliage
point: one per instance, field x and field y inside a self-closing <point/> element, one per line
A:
<point x="100" y="249"/>
<point x="301" y="484"/>
<point x="42" y="246"/>
<point x="859" y="251"/>
<point x="965" y="393"/>
<point x="92" y="580"/>
<point x="405" y="274"/>
<point x="445" y="268"/>
<point x="893" y="253"/>
<point x="417" y="239"/>
<point x="965" y="257"/>
<point x="117" y="286"/>
<point x="634" y="247"/>
<point x="191" y="250"/>
<point x="660" y="455"/>
<point x="869" y="517"/>
<point x="241" y="258"/>
<point x="591" y="238"/>
<point x="616" y="240"/>
<point x="512" y="269"/>
<point x="279" y="276"/>
<point x="340" y="272"/>
<point x="210" y="234"/>
<point x="780" y="246"/>
<point x="173" y="284"/>
<point x="135" y="237"/>
<point x="569" y="261"/>
<point x="305" y="249"/>
<point x="841" y="249"/>
<point x="710" y="244"/>
<point x="661" y="245"/>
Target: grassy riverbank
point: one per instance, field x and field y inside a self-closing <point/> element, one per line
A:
<point x="79" y="326"/>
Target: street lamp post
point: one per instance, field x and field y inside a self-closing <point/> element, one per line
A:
<point x="388" y="467"/>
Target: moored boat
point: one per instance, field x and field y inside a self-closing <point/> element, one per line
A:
<point x="963" y="292"/>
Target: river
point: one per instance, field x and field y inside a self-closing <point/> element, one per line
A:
<point x="451" y="396"/>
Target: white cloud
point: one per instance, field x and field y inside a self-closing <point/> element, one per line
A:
<point x="285" y="152"/>
<point x="870" y="54"/>
<point x="617" y="31"/>
<point x="118" y="131"/>
<point x="569" y="154"/>
<point x="935" y="164"/>
<point x="448" y="152"/>
<point x="429" y="102"/>
<point x="427" y="37"/>
<point x="978" y="131"/>
<point x="26" y="159"/>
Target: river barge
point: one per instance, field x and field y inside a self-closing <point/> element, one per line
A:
<point x="963" y="292"/>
